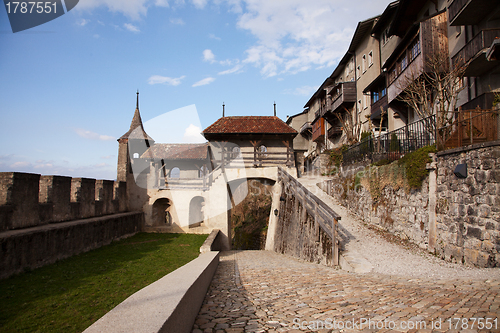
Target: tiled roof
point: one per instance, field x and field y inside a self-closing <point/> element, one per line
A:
<point x="249" y="125"/>
<point x="177" y="151"/>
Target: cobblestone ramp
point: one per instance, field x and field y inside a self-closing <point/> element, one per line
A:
<point x="261" y="291"/>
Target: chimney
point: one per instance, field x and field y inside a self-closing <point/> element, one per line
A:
<point x="275" y="108"/>
<point x="223" y="110"/>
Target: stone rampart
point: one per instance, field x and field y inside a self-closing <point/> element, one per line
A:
<point x="28" y="200"/>
<point x="456" y="218"/>
<point x="34" y="247"/>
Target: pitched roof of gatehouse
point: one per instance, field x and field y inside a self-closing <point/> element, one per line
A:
<point x="249" y="125"/>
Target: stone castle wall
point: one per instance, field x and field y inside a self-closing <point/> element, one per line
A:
<point x="47" y="218"/>
<point x="457" y="219"/>
<point x="35" y="247"/>
<point x="29" y="200"/>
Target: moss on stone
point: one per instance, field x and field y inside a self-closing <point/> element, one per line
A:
<point x="415" y="163"/>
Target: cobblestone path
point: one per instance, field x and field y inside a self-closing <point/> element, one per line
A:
<point x="261" y="291"/>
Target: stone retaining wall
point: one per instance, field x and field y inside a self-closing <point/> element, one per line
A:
<point x="34" y="247"/>
<point x="468" y="210"/>
<point x="457" y="219"/>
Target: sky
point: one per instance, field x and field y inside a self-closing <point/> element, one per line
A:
<point x="68" y="87"/>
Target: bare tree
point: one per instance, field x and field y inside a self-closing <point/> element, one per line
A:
<point x="434" y="91"/>
<point x="352" y="130"/>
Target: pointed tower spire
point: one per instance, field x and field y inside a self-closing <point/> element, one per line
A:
<point x="136" y="130"/>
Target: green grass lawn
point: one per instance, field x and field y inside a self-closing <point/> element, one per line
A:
<point x="70" y="295"/>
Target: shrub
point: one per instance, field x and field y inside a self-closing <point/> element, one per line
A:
<point x="394" y="146"/>
<point x="415" y="165"/>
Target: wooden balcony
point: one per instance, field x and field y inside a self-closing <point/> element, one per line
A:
<point x="468" y="12"/>
<point x="411" y="62"/>
<point x="343" y="93"/>
<point x="335" y="131"/>
<point x="472" y="54"/>
<point x="318" y="130"/>
<point x="306" y="128"/>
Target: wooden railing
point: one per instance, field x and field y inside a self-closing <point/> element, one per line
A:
<point x="455" y="8"/>
<point x="481" y="41"/>
<point x="325" y="217"/>
<point x="470" y="127"/>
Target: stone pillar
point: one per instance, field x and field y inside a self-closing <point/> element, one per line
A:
<point x="432" y="203"/>
<point x="83" y="192"/>
<point x="20" y="191"/>
<point x="56" y="190"/>
<point x="273" y="219"/>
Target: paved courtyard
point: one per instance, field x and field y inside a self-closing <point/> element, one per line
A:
<point x="261" y="291"/>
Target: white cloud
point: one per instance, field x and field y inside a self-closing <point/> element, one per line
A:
<point x="192" y="134"/>
<point x="212" y="36"/>
<point x="302" y="91"/>
<point x="82" y="22"/>
<point x="296" y="35"/>
<point x="208" y="56"/>
<point x="291" y="35"/>
<point x="177" y="21"/>
<point x="131" y="27"/>
<point x="92" y="136"/>
<point x="204" y="82"/>
<point x="200" y="4"/>
<point x="235" y="69"/>
<point x="133" y="9"/>
<point x="21" y="164"/>
<point x="162" y="3"/>
<point x="158" y="79"/>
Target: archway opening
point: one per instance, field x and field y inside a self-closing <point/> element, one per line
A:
<point x="250" y="217"/>
<point x="196" y="211"/>
<point x="161" y="213"/>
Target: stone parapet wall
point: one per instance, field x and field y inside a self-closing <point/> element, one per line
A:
<point x="28" y="200"/>
<point x="34" y="247"/>
<point x="304" y="226"/>
<point x="457" y="219"/>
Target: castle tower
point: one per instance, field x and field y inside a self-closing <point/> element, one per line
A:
<point x="132" y="145"/>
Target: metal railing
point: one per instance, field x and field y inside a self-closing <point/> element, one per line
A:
<point x="394" y="144"/>
<point x="325" y="217"/>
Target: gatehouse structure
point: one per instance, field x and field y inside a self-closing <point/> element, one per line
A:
<point x="191" y="188"/>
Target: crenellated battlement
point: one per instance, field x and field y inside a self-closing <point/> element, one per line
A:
<point x="28" y="200"/>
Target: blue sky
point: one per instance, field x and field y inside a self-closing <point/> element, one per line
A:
<point x="67" y="88"/>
